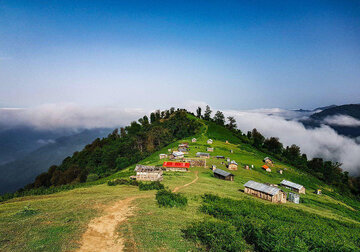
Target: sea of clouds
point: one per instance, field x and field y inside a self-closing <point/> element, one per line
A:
<point x="318" y="142"/>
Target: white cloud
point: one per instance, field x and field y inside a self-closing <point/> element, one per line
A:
<point x="319" y="142"/>
<point x="56" y="116"/>
<point x="342" y="120"/>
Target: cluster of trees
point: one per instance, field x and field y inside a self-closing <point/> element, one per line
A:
<point x="327" y="171"/>
<point x="121" y="148"/>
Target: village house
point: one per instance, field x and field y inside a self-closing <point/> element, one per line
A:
<point x="193" y="140"/>
<point x="233" y="166"/>
<point x="203" y="154"/>
<point x="148" y="173"/>
<point x="268" y="161"/>
<point x="196" y="162"/>
<point x="177" y="155"/>
<point x="213" y="167"/>
<point x="231" y="151"/>
<point x="209" y="141"/>
<point x="210" y="149"/>
<point x="293" y="186"/>
<point x="176" y="166"/>
<point x="220" y="174"/>
<point x="162" y="156"/>
<point x="266" y="192"/>
<point x="183" y="150"/>
<point x="281" y="171"/>
<point x="318" y="191"/>
<point x="220" y="157"/>
<point x="293" y="197"/>
<point x="246" y="167"/>
<point x="184" y="145"/>
<point x="228" y="160"/>
<point x="266" y="168"/>
<point x="227" y="141"/>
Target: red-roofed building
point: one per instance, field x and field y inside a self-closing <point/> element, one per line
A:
<point x="176" y="166"/>
<point x="266" y="168"/>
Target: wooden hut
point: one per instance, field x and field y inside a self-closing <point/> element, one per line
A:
<point x="203" y="155"/>
<point x="266" y="192"/>
<point x="162" y="156"/>
<point x="183" y="150"/>
<point x="293" y="197"/>
<point x="209" y="141"/>
<point x="318" y="191"/>
<point x="196" y="162"/>
<point x="293" y="186"/>
<point x="220" y="157"/>
<point x="220" y="174"/>
<point x="176" y="166"/>
<point x="268" y="161"/>
<point x="233" y="166"/>
<point x="210" y="149"/>
<point x="148" y="173"/>
<point x="177" y="155"/>
<point x="193" y="140"/>
<point x="246" y="167"/>
<point x="266" y="168"/>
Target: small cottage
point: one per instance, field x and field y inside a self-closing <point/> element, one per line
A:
<point x="227" y="141"/>
<point x="176" y="166"/>
<point x="268" y="161"/>
<point x="231" y="151"/>
<point x="210" y="149"/>
<point x="196" y="162"/>
<point x="293" y="197"/>
<point x="209" y="141"/>
<point x="220" y="157"/>
<point x="233" y="166"/>
<point x="162" y="156"/>
<point x="203" y="155"/>
<point x="266" y="192"/>
<point x="148" y="173"/>
<point x="177" y="155"/>
<point x="193" y="140"/>
<point x="220" y="174"/>
<point x="184" y="145"/>
<point x="318" y="191"/>
<point x="213" y="167"/>
<point x="281" y="171"/>
<point x="246" y="167"/>
<point x="228" y="160"/>
<point x="266" y="168"/>
<point x="293" y="186"/>
<point x="183" y="150"/>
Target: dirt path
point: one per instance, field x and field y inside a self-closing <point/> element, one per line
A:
<point x="192" y="182"/>
<point x="101" y="235"/>
<point x="101" y="232"/>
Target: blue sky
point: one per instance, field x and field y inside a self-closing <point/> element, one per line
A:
<point x="150" y="54"/>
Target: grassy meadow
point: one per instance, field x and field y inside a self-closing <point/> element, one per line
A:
<point x="57" y="221"/>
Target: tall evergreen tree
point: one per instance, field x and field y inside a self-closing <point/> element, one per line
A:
<point x="198" y="112"/>
<point x="207" y="114"/>
<point x="219" y="118"/>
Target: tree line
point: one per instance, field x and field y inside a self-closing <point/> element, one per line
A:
<point x="122" y="148"/>
<point x="327" y="171"/>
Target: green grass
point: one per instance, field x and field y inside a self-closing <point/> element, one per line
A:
<point x="60" y="219"/>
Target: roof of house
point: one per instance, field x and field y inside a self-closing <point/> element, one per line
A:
<point x="223" y="173"/>
<point x="176" y="165"/>
<point x="178" y="153"/>
<point x="233" y="162"/>
<point x="262" y="187"/>
<point x="146" y="168"/>
<point x="202" y="154"/>
<point x="265" y="167"/>
<point x="220" y="157"/>
<point x="210" y="140"/>
<point x="291" y="184"/>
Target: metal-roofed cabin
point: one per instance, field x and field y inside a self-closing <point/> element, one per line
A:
<point x="148" y="173"/>
<point x="264" y="191"/>
<point x="203" y="155"/>
<point x="220" y="174"/>
<point x="293" y="186"/>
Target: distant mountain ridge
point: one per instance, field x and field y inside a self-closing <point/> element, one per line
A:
<point x="22" y="171"/>
<point x="352" y="110"/>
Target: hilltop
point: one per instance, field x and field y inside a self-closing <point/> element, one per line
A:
<point x="218" y="214"/>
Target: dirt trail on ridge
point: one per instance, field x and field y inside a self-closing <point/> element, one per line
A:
<point x="192" y="182"/>
<point x="101" y="235"/>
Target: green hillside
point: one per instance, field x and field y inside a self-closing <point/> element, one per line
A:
<point x="218" y="216"/>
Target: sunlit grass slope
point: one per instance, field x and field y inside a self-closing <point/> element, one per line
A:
<point x="57" y="221"/>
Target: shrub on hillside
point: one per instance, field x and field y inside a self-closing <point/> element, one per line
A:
<point x="92" y="177"/>
<point x="216" y="236"/>
<point x="115" y="182"/>
<point x="166" y="198"/>
<point x="155" y="185"/>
